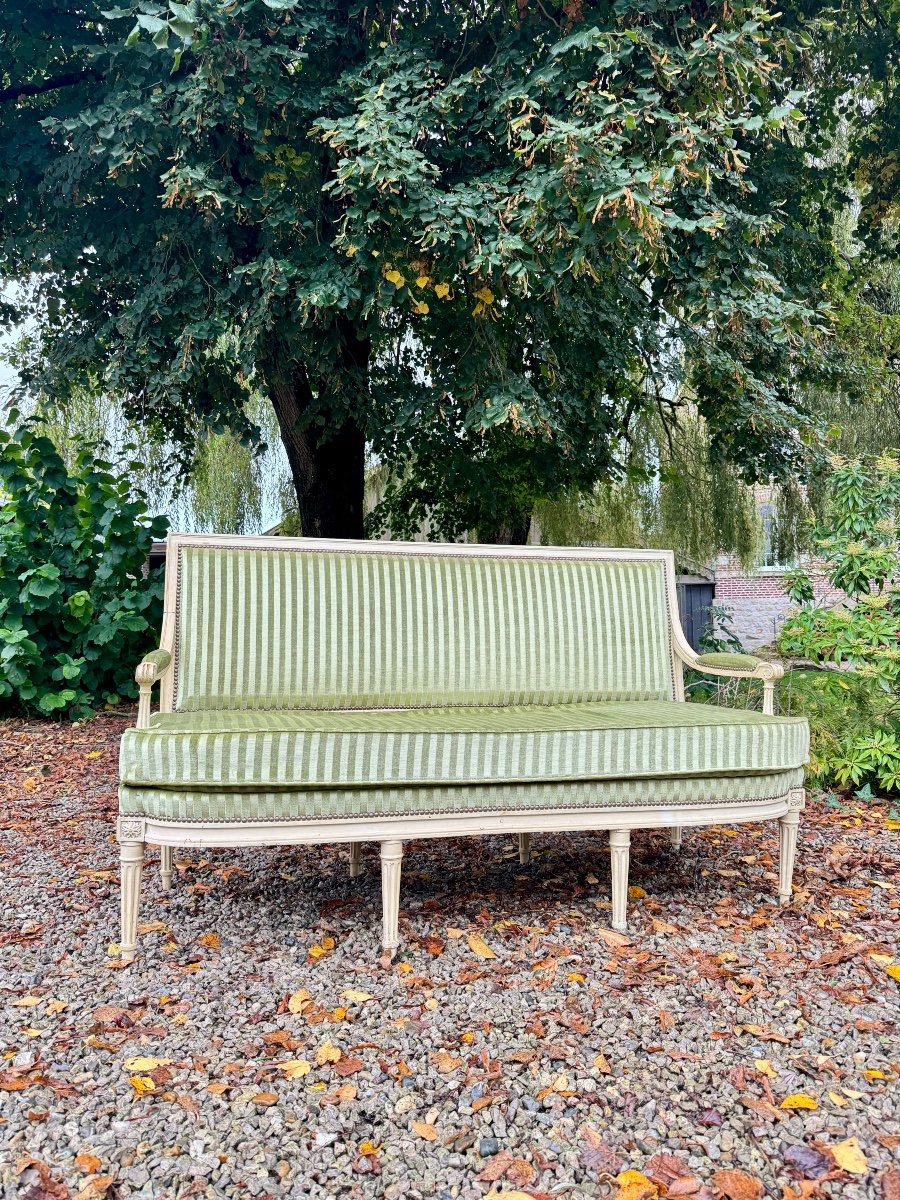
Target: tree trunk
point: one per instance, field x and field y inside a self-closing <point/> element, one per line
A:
<point x="327" y="462"/>
<point x="508" y="533"/>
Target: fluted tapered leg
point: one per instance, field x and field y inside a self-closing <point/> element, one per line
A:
<point x="391" y="858"/>
<point x="675" y="838"/>
<point x="355" y="859"/>
<point x="131" y="862"/>
<point x="166" y="855"/>
<point x="619" y="844"/>
<point x="524" y="847"/>
<point x="787" y="850"/>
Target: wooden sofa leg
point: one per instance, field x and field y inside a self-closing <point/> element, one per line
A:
<point x="788" y="827"/>
<point x="355" y="860"/>
<point x="391" y="858"/>
<point x="166" y="857"/>
<point x="524" y="847"/>
<point x="619" y="843"/>
<point x="131" y="863"/>
<point x="675" y="837"/>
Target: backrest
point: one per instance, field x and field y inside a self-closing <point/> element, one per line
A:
<point x="299" y="623"/>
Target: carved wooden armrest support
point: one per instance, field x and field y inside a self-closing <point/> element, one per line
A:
<point x="741" y="666"/>
<point x="149" y="670"/>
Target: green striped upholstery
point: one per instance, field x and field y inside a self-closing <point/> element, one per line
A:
<point x="212" y="806"/>
<point x="293" y="750"/>
<point x="306" y="629"/>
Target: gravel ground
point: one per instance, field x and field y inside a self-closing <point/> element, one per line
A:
<point x="563" y="1060"/>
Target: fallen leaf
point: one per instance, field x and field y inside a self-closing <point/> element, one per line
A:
<point x="445" y="1061"/>
<point x="849" y="1156"/>
<point x="294" y="1068"/>
<point x="347" y="1066"/>
<point x="738" y="1185"/>
<point x="211" y="941"/>
<point x="601" y="1064"/>
<point x="764" y="1067"/>
<point x="27" y="1001"/>
<point x="356" y="997"/>
<point x="217" y="1089"/>
<point x="797" y="1101"/>
<point x="327" y="1054"/>
<point x="145" y="1064"/>
<point x="479" y="947"/>
<point x="142" y="1084"/>
<point x="297" y="1001"/>
<point x="636" y="893"/>
<point x="340" y="1095"/>
<point x="894" y="971"/>
<point x="890" y="1184"/>
<point x="88" y="1164"/>
<point x="807" y="1161"/>
<point x="635" y="1186"/>
<point x="265" y="1099"/>
<point x="425" y="1130"/>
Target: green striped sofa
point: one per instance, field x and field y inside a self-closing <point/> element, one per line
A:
<point x="317" y="691"/>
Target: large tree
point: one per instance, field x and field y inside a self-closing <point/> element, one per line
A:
<point x="479" y="237"/>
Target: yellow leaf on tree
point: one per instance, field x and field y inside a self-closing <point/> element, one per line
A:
<point x="294" y="1068"/>
<point x="849" y="1156"/>
<point x="356" y="997"/>
<point x="393" y="276"/>
<point x="485" y="295"/>
<point x="894" y="971"/>
<point x="422" y="281"/>
<point x="635" y="1186"/>
<point x="479" y="947"/>
<point x="420" y="307"/>
<point x="297" y="1001"/>
<point x="424" y="1130"/>
<point x="140" y="1063"/>
<point x="442" y="290"/>
<point x="142" y="1084"/>
<point x="798" y="1100"/>
<point x="327" y="1053"/>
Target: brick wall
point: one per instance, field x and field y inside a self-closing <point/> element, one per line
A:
<point x="758" y="603"/>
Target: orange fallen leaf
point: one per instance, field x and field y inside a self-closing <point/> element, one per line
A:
<point x="265" y="1099"/>
<point x="635" y="1186"/>
<point x="425" y="1130"/>
<point x="142" y="1084"/>
<point x="88" y="1164"/>
<point x="738" y="1185"/>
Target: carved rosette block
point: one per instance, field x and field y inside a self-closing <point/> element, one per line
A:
<point x="130" y="829"/>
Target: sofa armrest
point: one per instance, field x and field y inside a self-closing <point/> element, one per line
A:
<point x="149" y="670"/>
<point x="740" y="666"/>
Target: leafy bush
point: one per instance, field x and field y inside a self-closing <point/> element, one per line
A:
<point x="76" y="613"/>
<point x="855" y="714"/>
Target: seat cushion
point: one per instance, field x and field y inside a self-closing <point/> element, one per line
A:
<point x="167" y="804"/>
<point x="411" y="748"/>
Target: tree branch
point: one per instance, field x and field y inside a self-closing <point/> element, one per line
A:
<point x="68" y="79"/>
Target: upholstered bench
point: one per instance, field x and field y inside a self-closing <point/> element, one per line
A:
<point x="347" y="691"/>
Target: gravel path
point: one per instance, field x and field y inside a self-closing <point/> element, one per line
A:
<point x="565" y="1059"/>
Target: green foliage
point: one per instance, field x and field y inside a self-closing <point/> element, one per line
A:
<point x="483" y="236"/>
<point x="75" y="613"/>
<point x="855" y="714"/>
<point x="854" y="728"/>
<point x="674" y="494"/>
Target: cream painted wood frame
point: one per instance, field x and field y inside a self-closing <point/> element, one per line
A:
<point x="392" y="832"/>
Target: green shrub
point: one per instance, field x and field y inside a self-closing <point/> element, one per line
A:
<point x="854" y="713"/>
<point x="76" y="613"/>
